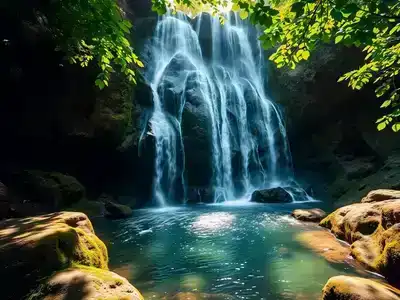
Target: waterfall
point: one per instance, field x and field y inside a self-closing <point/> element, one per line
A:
<point x="218" y="69"/>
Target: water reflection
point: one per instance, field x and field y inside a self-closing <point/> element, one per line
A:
<point x="247" y="252"/>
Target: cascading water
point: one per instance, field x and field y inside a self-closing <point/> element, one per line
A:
<point x="229" y="84"/>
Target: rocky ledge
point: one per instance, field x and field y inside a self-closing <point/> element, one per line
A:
<point x="373" y="230"/>
<point x="61" y="254"/>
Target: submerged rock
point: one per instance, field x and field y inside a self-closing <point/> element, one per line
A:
<point x="274" y="195"/>
<point x="33" y="248"/>
<point x="86" y="283"/>
<point x="373" y="230"/>
<point x="355" y="288"/>
<point x="324" y="244"/>
<point x="309" y="215"/>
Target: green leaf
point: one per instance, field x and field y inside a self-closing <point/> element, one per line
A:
<point x="243" y="14"/>
<point x="235" y="7"/>
<point x="99" y="83"/>
<point x="338" y="39"/>
<point x="396" y="127"/>
<point x="381" y="126"/>
<point x="386" y="103"/>
<point x="305" y="54"/>
<point x="139" y="63"/>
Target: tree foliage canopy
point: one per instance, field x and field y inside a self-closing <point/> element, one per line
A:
<point x="295" y="27"/>
<point x="88" y="30"/>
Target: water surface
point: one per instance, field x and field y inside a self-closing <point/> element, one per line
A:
<point x="246" y="252"/>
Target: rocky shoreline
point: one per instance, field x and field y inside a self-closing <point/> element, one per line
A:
<point x="372" y="229"/>
<point x="58" y="255"/>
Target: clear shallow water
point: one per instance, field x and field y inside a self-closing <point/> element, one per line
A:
<point x="247" y="252"/>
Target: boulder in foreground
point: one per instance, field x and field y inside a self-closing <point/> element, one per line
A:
<point x="373" y="230"/>
<point x="33" y="248"/>
<point x="309" y="215"/>
<point x="274" y="195"/>
<point x="355" y="288"/>
<point x="86" y="283"/>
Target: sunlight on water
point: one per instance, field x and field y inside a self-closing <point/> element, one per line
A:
<point x="241" y="252"/>
<point x="212" y="222"/>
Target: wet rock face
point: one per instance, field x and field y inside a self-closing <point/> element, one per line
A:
<point x="332" y="128"/>
<point x="274" y="195"/>
<point x="373" y="230"/>
<point x="355" y="288"/>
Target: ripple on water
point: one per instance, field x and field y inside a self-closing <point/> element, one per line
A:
<point x="245" y="252"/>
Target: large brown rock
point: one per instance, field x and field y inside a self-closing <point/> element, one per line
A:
<point x="355" y="288"/>
<point x="309" y="215"/>
<point x="33" y="248"/>
<point x="373" y="230"/>
<point x="86" y="283"/>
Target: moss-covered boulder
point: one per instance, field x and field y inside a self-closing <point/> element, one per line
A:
<point x="355" y="288"/>
<point x="33" y="248"/>
<point x="373" y="230"/>
<point x="52" y="189"/>
<point x="86" y="283"/>
<point x="309" y="215"/>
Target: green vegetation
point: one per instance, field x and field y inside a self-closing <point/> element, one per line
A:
<point x="86" y="31"/>
<point x="98" y="31"/>
<point x="93" y="29"/>
<point x="294" y="28"/>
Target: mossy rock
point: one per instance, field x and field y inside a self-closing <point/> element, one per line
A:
<point x="86" y="283"/>
<point x="355" y="288"/>
<point x="32" y="248"/>
<point x="373" y="230"/>
<point x="54" y="189"/>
